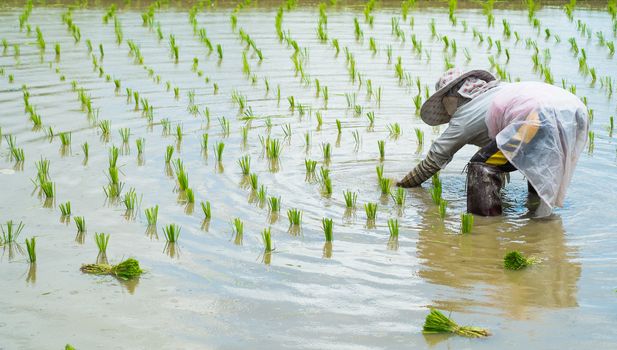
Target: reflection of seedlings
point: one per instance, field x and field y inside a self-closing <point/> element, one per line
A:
<point x="245" y="164"/>
<point x="466" y="222"/>
<point x="172" y="232"/>
<point x="31" y="249"/>
<point x="101" y="240"/>
<point x="126" y="270"/>
<point x="152" y="215"/>
<point x="399" y="196"/>
<point x="10" y="232"/>
<point x="350" y="199"/>
<point x="443" y="204"/>
<point x="437" y="322"/>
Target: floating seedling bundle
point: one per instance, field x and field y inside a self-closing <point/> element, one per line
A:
<point x="126" y="270"/>
<point x="437" y="322"/>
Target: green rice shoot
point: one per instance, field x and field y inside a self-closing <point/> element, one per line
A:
<point x="31" y="249"/>
<point x="102" y="240"/>
<point x="172" y="232"/>
<point x="466" y="222"/>
<point x="326" y="225"/>
<point x="126" y="270"/>
<point x="437" y="322"/>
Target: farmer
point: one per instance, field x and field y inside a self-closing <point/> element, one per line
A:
<point x="533" y="127"/>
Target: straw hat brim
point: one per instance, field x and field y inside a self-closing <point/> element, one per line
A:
<point x="433" y="111"/>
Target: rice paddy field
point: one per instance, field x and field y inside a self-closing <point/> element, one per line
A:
<point x="245" y="154"/>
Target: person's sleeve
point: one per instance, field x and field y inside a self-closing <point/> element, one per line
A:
<point x="440" y="154"/>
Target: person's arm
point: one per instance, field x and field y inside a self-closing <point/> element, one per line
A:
<point x="441" y="152"/>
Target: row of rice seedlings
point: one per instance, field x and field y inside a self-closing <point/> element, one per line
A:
<point x="10" y="232"/>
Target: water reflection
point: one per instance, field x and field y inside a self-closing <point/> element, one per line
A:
<point x="172" y="250"/>
<point x="474" y="263"/>
<point x="31" y="275"/>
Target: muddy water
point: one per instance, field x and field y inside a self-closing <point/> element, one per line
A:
<point x="212" y="290"/>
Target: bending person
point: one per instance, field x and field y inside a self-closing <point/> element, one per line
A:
<point x="536" y="128"/>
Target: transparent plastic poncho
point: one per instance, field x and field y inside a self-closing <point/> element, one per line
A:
<point x="541" y="129"/>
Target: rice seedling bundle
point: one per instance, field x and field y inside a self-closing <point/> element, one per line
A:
<point x="125" y="134"/>
<point x="172" y="232"/>
<point x="381" y="144"/>
<point x="294" y="216"/>
<point x="218" y="151"/>
<point x="206" y="208"/>
<point x="327" y="151"/>
<point x="350" y="199"/>
<point x="371" y="211"/>
<point x="310" y="166"/>
<point x="274" y="204"/>
<point x="65" y="209"/>
<point x="379" y="171"/>
<point x="326" y="225"/>
<point x="515" y="260"/>
<point x="126" y="270"/>
<point x="10" y="232"/>
<point x="86" y="149"/>
<point x="48" y="188"/>
<point x="31" y="249"/>
<point x="65" y="138"/>
<point x="140" y="142"/>
<point x="253" y="181"/>
<point x="385" y="184"/>
<point x="266" y="236"/>
<point x="466" y="222"/>
<point x="101" y="240"/>
<point x="399" y="196"/>
<point x="437" y="322"/>
<point x="393" y="226"/>
<point x="169" y="151"/>
<point x="190" y="196"/>
<point x="152" y="215"/>
<point x="130" y="199"/>
<point x="80" y="222"/>
<point x="245" y="164"/>
<point x="273" y="148"/>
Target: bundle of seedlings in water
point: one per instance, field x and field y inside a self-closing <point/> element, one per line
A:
<point x="169" y="152"/>
<point x="393" y="226"/>
<point x="126" y="270"/>
<point x="10" y="232"/>
<point x="31" y="249"/>
<point x="437" y="322"/>
<point x="466" y="222"/>
<point x="65" y="209"/>
<point x="399" y="196"/>
<point x="152" y="215"/>
<point x="350" y="199"/>
<point x="326" y="225"/>
<point x="206" y="208"/>
<point x="273" y="148"/>
<point x="379" y="171"/>
<point x="515" y="260"/>
<point x="218" y="151"/>
<point x="253" y="180"/>
<point x="101" y="240"/>
<point x="172" y="233"/>
<point x="245" y="164"/>
<point x="381" y="144"/>
<point x="310" y="166"/>
<point x="371" y="211"/>
<point x="327" y="151"/>
<point x="442" y="208"/>
<point x="385" y="184"/>
<point x="436" y="189"/>
<point x="274" y="204"/>
<point x="140" y="142"/>
<point x="80" y="222"/>
<point x="267" y="239"/>
<point x="295" y="217"/>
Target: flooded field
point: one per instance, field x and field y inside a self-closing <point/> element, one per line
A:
<point x="131" y="105"/>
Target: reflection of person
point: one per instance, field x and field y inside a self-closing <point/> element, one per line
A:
<point x="473" y="265"/>
<point x="533" y="127"/>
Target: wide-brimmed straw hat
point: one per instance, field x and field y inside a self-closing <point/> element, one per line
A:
<point x="433" y="111"/>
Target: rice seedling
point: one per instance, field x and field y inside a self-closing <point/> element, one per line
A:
<point x="113" y="156"/>
<point x="381" y="144"/>
<point x="244" y="132"/>
<point x="515" y="260"/>
<point x="140" y="142"/>
<point x="219" y="51"/>
<point x="31" y="249"/>
<point x="80" y="222"/>
<point x="179" y="133"/>
<point x="327" y="185"/>
<point x="286" y="130"/>
<point x="65" y="138"/>
<point x="152" y="215"/>
<point x="393" y="225"/>
<point x="48" y="188"/>
<point x="42" y="170"/>
<point x="172" y="233"/>
<point x="350" y="199"/>
<point x="169" y="152"/>
<point x="591" y="141"/>
<point x="204" y="142"/>
<point x="273" y="148"/>
<point x="294" y="216"/>
<point x="327" y="225"/>
<point x="10" y="232"/>
<point x="399" y="196"/>
<point x="338" y="126"/>
<point x="245" y="164"/>
<point x="253" y="181"/>
<point x="443" y="204"/>
<point x="190" y="196"/>
<point x="274" y="204"/>
<point x="466" y="222"/>
<point x="435" y="192"/>
<point x="125" y="133"/>
<point x="102" y="240"/>
<point x="207" y="210"/>
<point x="266" y="236"/>
<point x="218" y="151"/>
<point x="419" y="136"/>
<point x="126" y="270"/>
<point x="326" y="149"/>
<point x="385" y="184"/>
<point x="310" y="166"/>
<point x="379" y="171"/>
<point x="130" y="199"/>
<point x="437" y="322"/>
<point x="371" y="211"/>
<point x="394" y="129"/>
<point x="65" y="209"/>
<point x="105" y="127"/>
<point x="357" y="139"/>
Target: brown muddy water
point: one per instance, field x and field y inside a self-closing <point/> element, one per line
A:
<point x="214" y="290"/>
